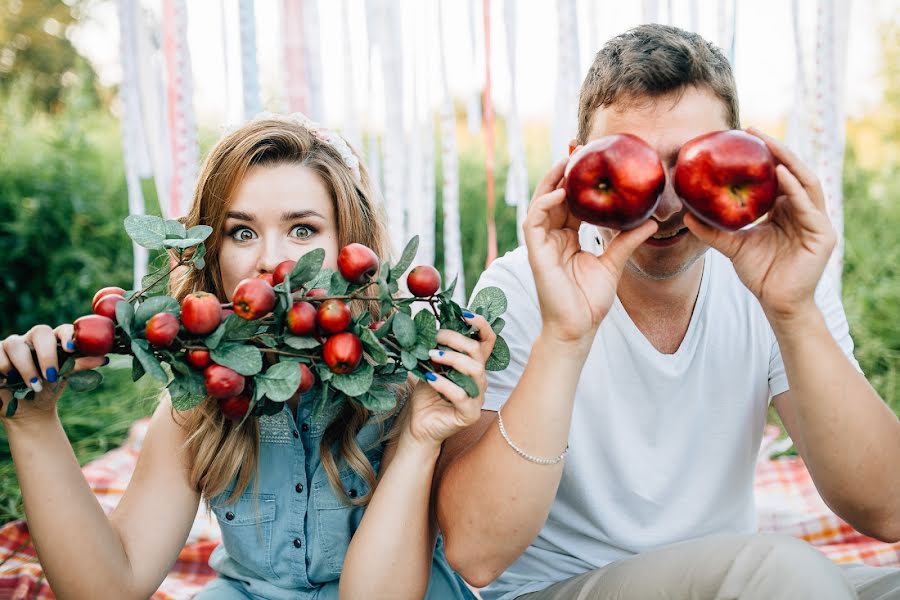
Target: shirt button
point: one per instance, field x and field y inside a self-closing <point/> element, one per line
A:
<point x="299" y="487"/>
<point x="229" y="516"/>
<point x="304" y="427"/>
<point x="352" y="493"/>
<point x="296" y="433"/>
<point x="297" y="543"/>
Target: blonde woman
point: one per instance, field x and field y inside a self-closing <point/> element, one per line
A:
<point x="327" y="507"/>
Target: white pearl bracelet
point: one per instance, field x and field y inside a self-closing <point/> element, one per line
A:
<point x="522" y="453"/>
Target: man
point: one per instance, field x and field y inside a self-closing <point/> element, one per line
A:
<point x="654" y="361"/>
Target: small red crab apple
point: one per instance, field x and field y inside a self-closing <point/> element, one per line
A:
<point x="253" y="299"/>
<point x="222" y="382"/>
<point x="357" y="263"/>
<point x="333" y="316"/>
<point x="423" y="281"/>
<point x="94" y="335"/>
<point x="235" y="407"/>
<point x="162" y="328"/>
<point x="201" y="313"/>
<point x="284" y="268"/>
<point x="342" y="352"/>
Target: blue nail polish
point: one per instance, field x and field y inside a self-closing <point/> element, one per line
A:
<point x="34" y="380"/>
<point x="430" y="376"/>
<point x="70" y="345"/>
<point x="51" y="374"/>
<point x="440" y="352"/>
<point x="468" y="315"/>
<point x="105" y="362"/>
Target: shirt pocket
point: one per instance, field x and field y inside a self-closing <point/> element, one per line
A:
<point x="337" y="521"/>
<point x="247" y="526"/>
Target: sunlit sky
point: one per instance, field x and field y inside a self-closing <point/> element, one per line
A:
<point x="764" y="56"/>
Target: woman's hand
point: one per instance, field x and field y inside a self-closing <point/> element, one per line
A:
<point x="17" y="360"/>
<point x="439" y="408"/>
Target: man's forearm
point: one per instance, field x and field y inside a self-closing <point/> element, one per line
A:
<point x="492" y="502"/>
<point x="848" y="437"/>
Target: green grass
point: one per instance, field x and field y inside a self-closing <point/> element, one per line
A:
<point x="95" y="423"/>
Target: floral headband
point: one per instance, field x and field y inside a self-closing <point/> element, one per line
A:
<point x="322" y="133"/>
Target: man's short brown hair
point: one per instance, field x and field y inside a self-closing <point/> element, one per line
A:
<point x="651" y="61"/>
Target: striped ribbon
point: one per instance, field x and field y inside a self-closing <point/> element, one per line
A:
<point x="350" y="123"/>
<point x="249" y="69"/>
<point x="489" y="137"/>
<point x="292" y="37"/>
<point x="517" y="175"/>
<point x="179" y="100"/>
<point x="133" y="145"/>
<point x="453" y="259"/>
<point x="473" y="106"/>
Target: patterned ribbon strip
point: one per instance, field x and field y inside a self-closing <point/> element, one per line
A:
<point x="249" y="70"/>
<point x="179" y="96"/>
<point x="489" y="137"/>
<point x="453" y="260"/>
<point x="133" y="144"/>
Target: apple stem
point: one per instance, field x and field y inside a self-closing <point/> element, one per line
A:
<point x="181" y="262"/>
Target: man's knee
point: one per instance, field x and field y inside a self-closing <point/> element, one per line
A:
<point x="783" y="565"/>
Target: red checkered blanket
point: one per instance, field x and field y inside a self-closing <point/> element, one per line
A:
<point x="787" y="502"/>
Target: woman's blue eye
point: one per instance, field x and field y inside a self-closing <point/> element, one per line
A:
<point x="303" y="231"/>
<point x="242" y="234"/>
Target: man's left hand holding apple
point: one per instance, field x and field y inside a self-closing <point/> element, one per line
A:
<point x="847" y="436"/>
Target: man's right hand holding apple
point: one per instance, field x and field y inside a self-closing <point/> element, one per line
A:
<point x="575" y="288"/>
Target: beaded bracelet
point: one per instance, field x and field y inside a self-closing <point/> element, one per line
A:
<point x="525" y="455"/>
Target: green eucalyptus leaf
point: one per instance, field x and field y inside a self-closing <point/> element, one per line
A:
<point x="498" y="324"/>
<point x="426" y="328"/>
<point x="68" y="365"/>
<point x="146" y="230"/>
<point x="356" y="383"/>
<point x="125" y="317"/>
<point x="404" y="330"/>
<point x="237" y="328"/>
<point x="408" y="359"/>
<point x="137" y="369"/>
<point x="152" y="306"/>
<point x="175" y="230"/>
<point x="338" y="285"/>
<point x="141" y="351"/>
<point x="280" y="381"/>
<point x="245" y="359"/>
<point x="12" y="406"/>
<point x="322" y="280"/>
<point x="182" y="244"/>
<point x="406" y="258"/>
<point x="464" y="381"/>
<point x="372" y="346"/>
<point x="301" y="342"/>
<point x="307" y="267"/>
<point x="491" y="300"/>
<point x="200" y="232"/>
<point x="378" y="399"/>
<point x="499" y="358"/>
<point x="156" y="282"/>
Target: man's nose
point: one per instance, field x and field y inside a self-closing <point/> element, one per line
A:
<point x="669" y="202"/>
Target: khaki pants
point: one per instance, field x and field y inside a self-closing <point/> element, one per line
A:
<point x="729" y="567"/>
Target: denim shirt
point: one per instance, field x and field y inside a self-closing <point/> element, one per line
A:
<point x="289" y="539"/>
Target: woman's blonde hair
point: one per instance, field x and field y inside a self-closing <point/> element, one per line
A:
<point x="218" y="449"/>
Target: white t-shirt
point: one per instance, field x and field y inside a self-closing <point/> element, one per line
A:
<point x="662" y="447"/>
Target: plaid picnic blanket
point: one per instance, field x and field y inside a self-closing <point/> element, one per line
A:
<point x="787" y="502"/>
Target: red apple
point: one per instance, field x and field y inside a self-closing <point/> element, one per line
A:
<point x="307" y="379"/>
<point x="342" y="352"/>
<point x="253" y="298"/>
<point x="94" y="335"/>
<point x="106" y="306"/>
<point x="301" y="318"/>
<point x="106" y="292"/>
<point x="726" y="178"/>
<point x="222" y="382"/>
<point x="614" y="182"/>
<point x="316" y="292"/>
<point x="161" y="329"/>
<point x="235" y="407"/>
<point x="423" y="281"/>
<point x="333" y="316"/>
<point x="357" y="263"/>
<point x="201" y="313"/>
<point x="198" y="358"/>
<point x="267" y="277"/>
<point x="283" y="268"/>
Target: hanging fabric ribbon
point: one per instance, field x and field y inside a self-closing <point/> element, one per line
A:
<point x="567" y="75"/>
<point x="426" y="126"/>
<point x="829" y="133"/>
<point x="727" y="22"/>
<point x="292" y="37"/>
<point x="799" y="127"/>
<point x="351" y="117"/>
<point x="489" y="137"/>
<point x="133" y="144"/>
<point x="313" y="59"/>
<point x="179" y="101"/>
<point x="453" y="259"/>
<point x="473" y="105"/>
<point x="249" y="69"/>
<point x="385" y="29"/>
<point x="517" y="175"/>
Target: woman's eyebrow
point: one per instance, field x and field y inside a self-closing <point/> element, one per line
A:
<point x="300" y="214"/>
<point x="236" y="214"/>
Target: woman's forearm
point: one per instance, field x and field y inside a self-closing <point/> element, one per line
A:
<point x="391" y="552"/>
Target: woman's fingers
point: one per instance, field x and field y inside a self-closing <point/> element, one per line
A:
<point x="18" y="352"/>
<point x="468" y="408"/>
<point x="44" y="342"/>
<point x="461" y="362"/>
<point x="485" y="332"/>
